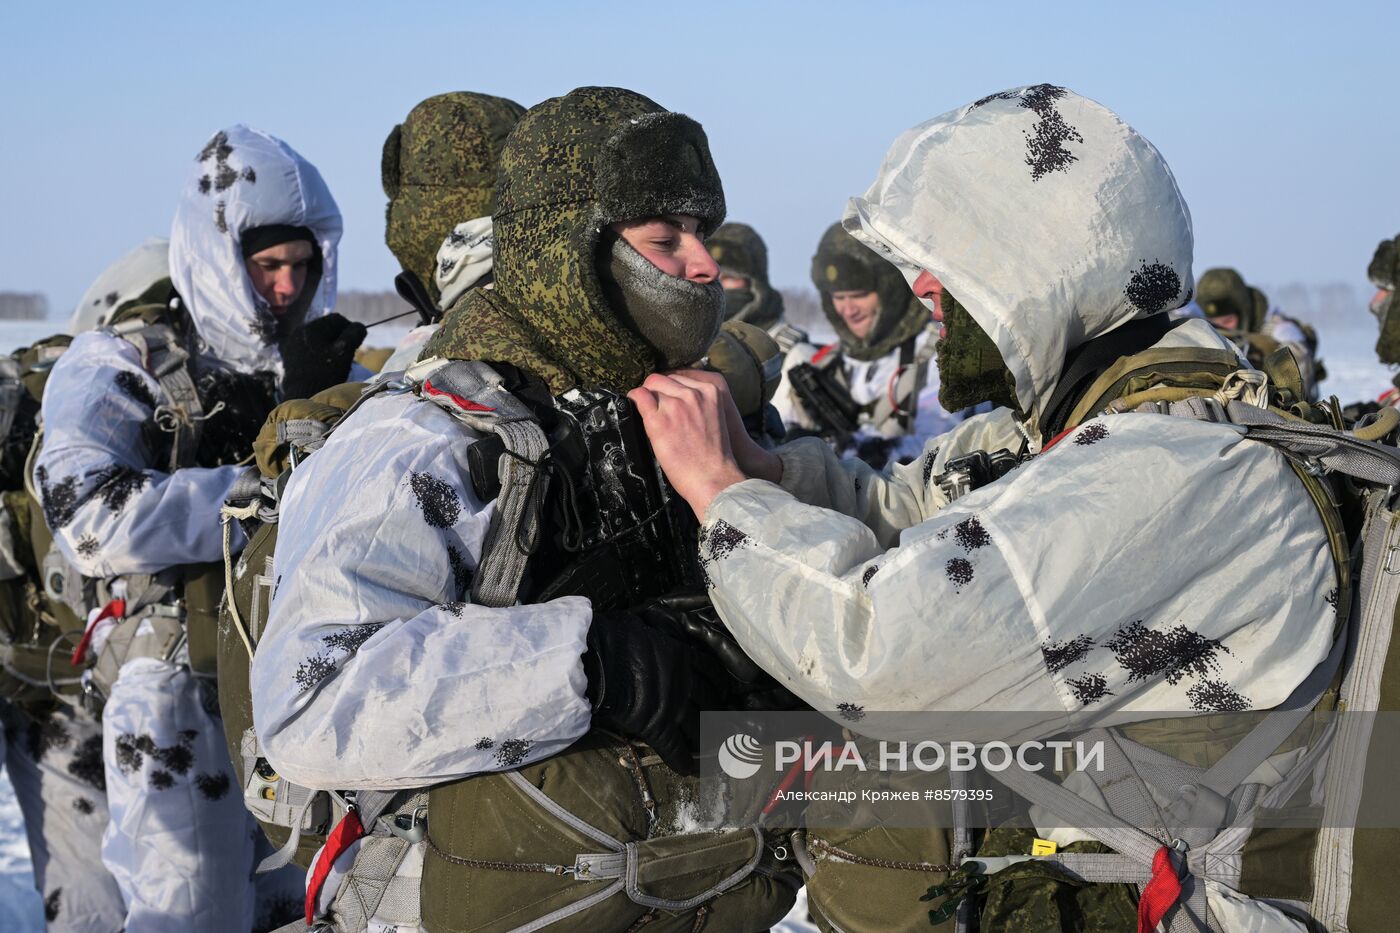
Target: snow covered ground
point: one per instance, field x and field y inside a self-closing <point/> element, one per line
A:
<point x="1354" y="375"/>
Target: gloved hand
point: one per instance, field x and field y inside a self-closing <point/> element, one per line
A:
<point x="318" y="355"/>
<point x="688" y="616"/>
<point x="647" y="685"/>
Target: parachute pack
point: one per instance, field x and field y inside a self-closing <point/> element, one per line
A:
<point x="603" y="834"/>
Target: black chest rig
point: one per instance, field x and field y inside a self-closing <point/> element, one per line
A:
<point x="610" y="526"/>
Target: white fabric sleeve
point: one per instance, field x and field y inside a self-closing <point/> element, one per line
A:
<point x="1070" y="585"/>
<point x="111" y="509"/>
<point x="888" y="503"/>
<point x="375" y="670"/>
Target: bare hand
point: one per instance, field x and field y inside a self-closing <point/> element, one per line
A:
<point x="756" y="462"/>
<point x="689" y="434"/>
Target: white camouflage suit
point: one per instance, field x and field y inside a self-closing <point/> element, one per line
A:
<point x="1143" y="564"/>
<point x="180" y="843"/>
<point x="54" y="759"/>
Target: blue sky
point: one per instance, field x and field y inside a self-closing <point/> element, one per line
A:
<point x="1279" y="119"/>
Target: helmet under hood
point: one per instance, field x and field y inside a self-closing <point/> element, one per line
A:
<point x="740" y="251"/>
<point x="572" y="166"/>
<point x="1050" y="220"/>
<point x="844" y="264"/>
<point x="438" y="169"/>
<point x="122" y="281"/>
<point x="241" y="180"/>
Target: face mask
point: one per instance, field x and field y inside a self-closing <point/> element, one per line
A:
<point x="736" y="302"/>
<point x="678" y="318"/>
<point x="970" y="368"/>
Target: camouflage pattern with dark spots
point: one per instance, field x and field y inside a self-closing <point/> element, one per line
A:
<point x="439" y="169"/>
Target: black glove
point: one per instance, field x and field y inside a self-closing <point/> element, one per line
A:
<point x="647" y="685"/>
<point x="318" y="355"/>
<point x="235" y="407"/>
<point x="688" y="615"/>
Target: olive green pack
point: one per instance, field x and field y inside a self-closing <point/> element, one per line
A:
<point x="37" y="632"/>
<point x="242" y="617"/>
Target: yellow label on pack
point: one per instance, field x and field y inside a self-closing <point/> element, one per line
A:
<point x="1043" y="847"/>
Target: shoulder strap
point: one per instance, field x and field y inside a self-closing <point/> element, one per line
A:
<point x="151" y="330"/>
<point x="475" y="394"/>
<point x="900" y="399"/>
<point x="1087" y="362"/>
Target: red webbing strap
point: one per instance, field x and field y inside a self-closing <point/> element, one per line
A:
<point x="1161" y="892"/>
<point x="113" y="610"/>
<point x="345" y="832"/>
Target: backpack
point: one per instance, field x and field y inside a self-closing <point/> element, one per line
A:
<point x="597" y="834"/>
<point x="158" y="615"/>
<point x="35" y="623"/>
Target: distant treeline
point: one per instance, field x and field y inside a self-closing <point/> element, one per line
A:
<point x="23" y="306"/>
<point x="368" y="307"/>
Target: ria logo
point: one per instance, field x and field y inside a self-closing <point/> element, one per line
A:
<point x="740" y="756"/>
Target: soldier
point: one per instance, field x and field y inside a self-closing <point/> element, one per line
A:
<point x="478" y="608"/>
<point x="438" y="170"/>
<point x="1140" y="563"/>
<point x="54" y="748"/>
<point x="863" y="392"/>
<point x="144" y="422"/>
<point x="1384" y="273"/>
<point x="748" y="294"/>
<point x="1241" y="312"/>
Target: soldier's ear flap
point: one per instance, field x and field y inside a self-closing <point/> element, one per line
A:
<point x="389" y="162"/>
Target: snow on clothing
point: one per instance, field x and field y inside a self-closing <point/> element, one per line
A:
<point x="55" y="765"/>
<point x="1100" y="577"/>
<point x="181" y="856"/>
<point x="374" y="672"/>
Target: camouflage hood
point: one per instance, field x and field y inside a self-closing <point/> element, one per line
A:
<point x="1049" y="219"/>
<point x="842" y="264"/>
<point x="1224" y="291"/>
<point x="740" y="251"/>
<point x="573" y="165"/>
<point x="438" y="170"/>
<point x="244" y="178"/>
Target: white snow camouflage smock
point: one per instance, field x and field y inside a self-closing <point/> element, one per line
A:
<point x="180" y="842"/>
<point x="374" y="670"/>
<point x="1143" y="564"/>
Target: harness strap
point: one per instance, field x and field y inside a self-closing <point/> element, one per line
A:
<point x="475" y="394"/>
<point x="165" y="358"/>
<point x="900" y="399"/>
<point x="1087" y="362"/>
